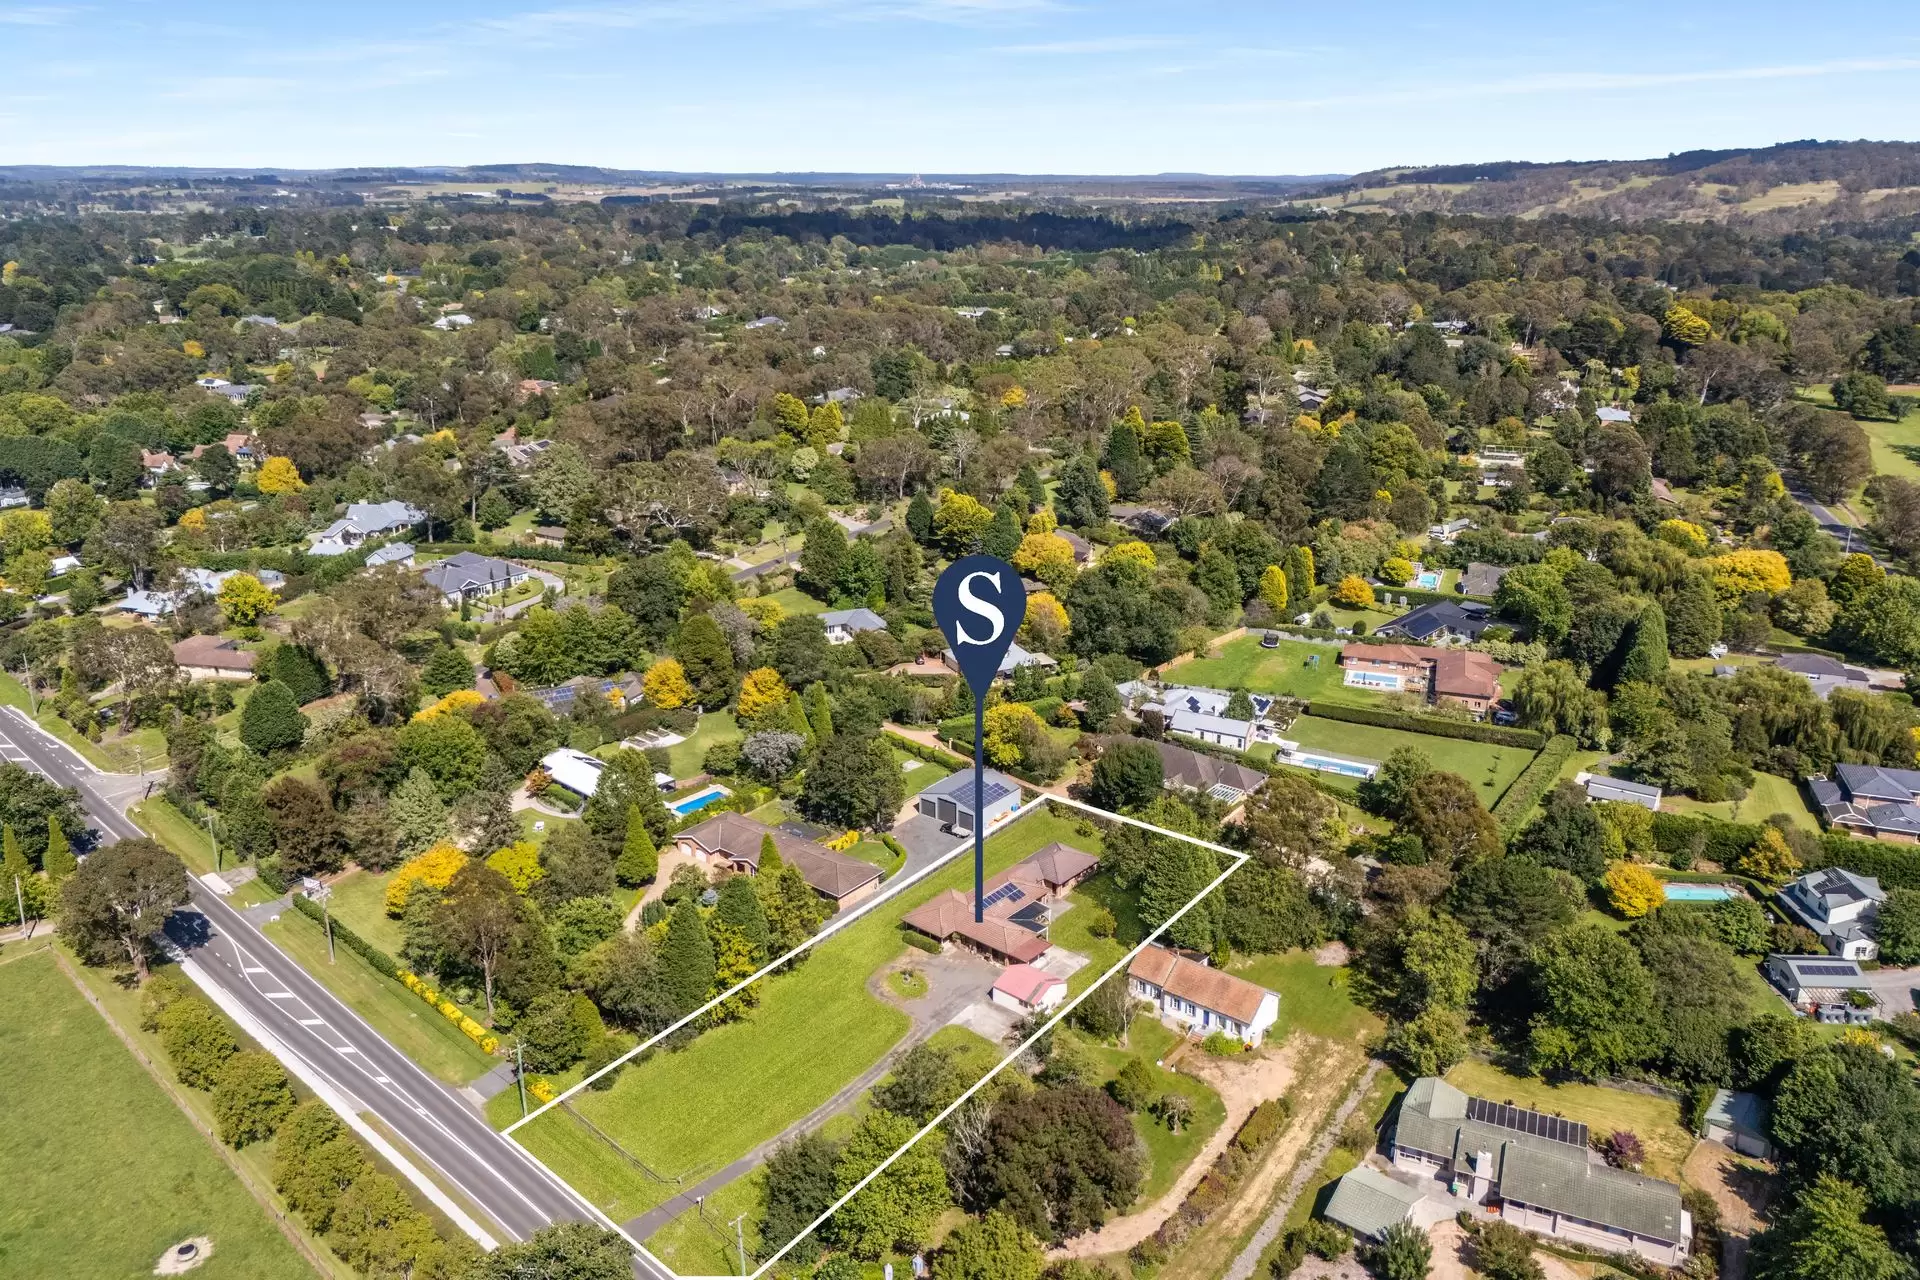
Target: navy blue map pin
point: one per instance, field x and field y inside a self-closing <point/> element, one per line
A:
<point x="978" y="603"/>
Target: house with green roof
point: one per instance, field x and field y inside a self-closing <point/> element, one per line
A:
<point x="1536" y="1171"/>
<point x="1366" y="1202"/>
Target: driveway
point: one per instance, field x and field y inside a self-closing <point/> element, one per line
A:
<point x="1896" y="988"/>
<point x="925" y="841"/>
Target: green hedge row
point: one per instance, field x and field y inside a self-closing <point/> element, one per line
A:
<point x="1895" y="866"/>
<point x="915" y="938"/>
<point x="348" y="938"/>
<point x="1724" y="841"/>
<point x="921" y="751"/>
<point x="1533" y="783"/>
<point x="1467" y="730"/>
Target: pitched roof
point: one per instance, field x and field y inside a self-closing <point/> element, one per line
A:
<point x="1441" y="615"/>
<point x="951" y="915"/>
<point x="1404" y="655"/>
<point x="1482" y="579"/>
<point x="1871" y="782"/>
<point x="390" y="553"/>
<point x="1567" y="1182"/>
<point x="1832" y="888"/>
<point x="1367" y="1201"/>
<point x="1200" y="772"/>
<point x="1025" y="983"/>
<point x="1205" y="986"/>
<point x="1196" y="722"/>
<point x="853" y="619"/>
<point x="958" y="787"/>
<point x="381" y="517"/>
<point x="458" y="572"/>
<point x="1058" y="864"/>
<point x="1465" y="673"/>
<point x="1620" y="786"/>
<point x="213" y="651"/>
<point x="737" y="838"/>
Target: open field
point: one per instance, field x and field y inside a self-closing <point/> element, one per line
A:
<point x="1313" y="997"/>
<point x="684" y="758"/>
<point x="817" y="1027"/>
<point x="1770" y="794"/>
<point x="127" y="1149"/>
<point x="1490" y="769"/>
<point x="794" y="600"/>
<point x="408" y="1022"/>
<point x="1602" y="1110"/>
<point x="1242" y="664"/>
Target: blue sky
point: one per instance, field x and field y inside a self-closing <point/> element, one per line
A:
<point x="1026" y="86"/>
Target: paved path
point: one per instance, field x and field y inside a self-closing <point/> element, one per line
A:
<point x="955" y="980"/>
<point x="1242" y="1268"/>
<point x="325" y="1043"/>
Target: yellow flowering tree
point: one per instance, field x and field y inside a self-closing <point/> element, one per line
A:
<point x="279" y="475"/>
<point x="1396" y="571"/>
<point x="762" y="691"/>
<point x="1741" y="573"/>
<point x="1354" y="592"/>
<point x="458" y="700"/>
<point x="1008" y="727"/>
<point x="1042" y="521"/>
<point x="1136" y="551"/>
<point x="244" y="599"/>
<point x="1684" y="534"/>
<point x="1047" y="624"/>
<point x="1042" y="553"/>
<point x="666" y="684"/>
<point x="1632" y="889"/>
<point x="435" y="868"/>
<point x="959" y="521"/>
<point x="1769" y="859"/>
<point x="1683" y="326"/>
<point x="1273" y="588"/>
<point x="519" y="862"/>
<point x="765" y="611"/>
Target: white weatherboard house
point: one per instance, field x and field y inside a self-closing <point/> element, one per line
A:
<point x="1840" y="907"/>
<point x="844" y="624"/>
<point x="1202" y="999"/>
<point x="577" y="771"/>
<point x="364" y="520"/>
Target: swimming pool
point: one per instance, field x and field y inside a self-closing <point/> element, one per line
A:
<point x="699" y="800"/>
<point x="1700" y="892"/>
<point x="1428" y="581"/>
<point x="1345" y="768"/>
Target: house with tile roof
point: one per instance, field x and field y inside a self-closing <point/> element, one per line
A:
<point x="1481" y="579"/>
<point x="1825" y="674"/>
<point x="1020" y="904"/>
<point x="470" y="575"/>
<point x="1466" y="677"/>
<point x="1540" y="1171"/>
<point x="1028" y="990"/>
<point x="1868" y="800"/>
<point x="733" y="840"/>
<point x="1840" y="907"/>
<point x="213" y="658"/>
<point x="1199" y="998"/>
<point x="364" y="520"/>
<point x="1182" y="769"/>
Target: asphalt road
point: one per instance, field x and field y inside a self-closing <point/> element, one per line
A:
<point x="490" y="1172"/>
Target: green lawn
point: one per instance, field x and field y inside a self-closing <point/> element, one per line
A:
<point x="1289" y="669"/>
<point x="1490" y="769"/>
<point x="407" y="1021"/>
<point x="1895" y="445"/>
<point x="1169" y="1152"/>
<point x="794" y="600"/>
<point x="102" y="1188"/>
<point x="360" y="902"/>
<point x="1769" y="795"/>
<point x="1070" y="930"/>
<point x="684" y="758"/>
<point x="1313" y="998"/>
<point x="816" y="1028"/>
<point x="923" y="774"/>
<point x="174" y="829"/>
<point x="1655" y="1120"/>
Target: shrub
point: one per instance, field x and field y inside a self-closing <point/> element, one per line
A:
<point x="1222" y="1045"/>
<point x="1533" y="783"/>
<point x="1264" y="1125"/>
<point x="434" y="868"/>
<point x="196" y="1041"/>
<point x="914" y="938"/>
<point x="251" y="1096"/>
<point x="1466" y="730"/>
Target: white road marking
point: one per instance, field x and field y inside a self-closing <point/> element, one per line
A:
<point x="312" y="1022"/>
<point x="278" y="995"/>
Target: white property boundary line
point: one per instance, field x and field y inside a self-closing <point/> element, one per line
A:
<point x="1239" y="859"/>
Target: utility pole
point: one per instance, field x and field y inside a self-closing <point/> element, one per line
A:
<point x="740" y="1241"/>
<point x="20" y="902"/>
<point x="520" y="1078"/>
<point x="213" y="840"/>
<point x="320" y="893"/>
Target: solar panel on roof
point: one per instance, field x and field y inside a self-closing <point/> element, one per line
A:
<point x="1520" y="1120"/>
<point x="1828" y="970"/>
<point x="1005" y="893"/>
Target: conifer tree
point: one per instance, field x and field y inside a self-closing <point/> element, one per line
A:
<point x="639" y="861"/>
<point x="739" y="907"/>
<point x="418" y="814"/>
<point x="59" y="861"/>
<point x="687" y="963"/>
<point x="819" y="712"/>
<point x="17" y="880"/>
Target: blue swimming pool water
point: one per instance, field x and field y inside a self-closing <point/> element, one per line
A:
<point x="1699" y="893"/>
<point x="1345" y="768"/>
<point x="698" y="800"/>
<point x="1428" y="581"/>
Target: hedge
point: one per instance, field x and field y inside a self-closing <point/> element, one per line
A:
<point x="921" y="751"/>
<point x="1534" y="782"/>
<point x="914" y="938"/>
<point x="488" y="1042"/>
<point x="1724" y="841"/>
<point x="268" y="873"/>
<point x="1468" y="730"/>
<point x="348" y="938"/>
<point x="1895" y="866"/>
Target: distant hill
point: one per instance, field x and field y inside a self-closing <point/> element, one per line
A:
<point x="1791" y="184"/>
